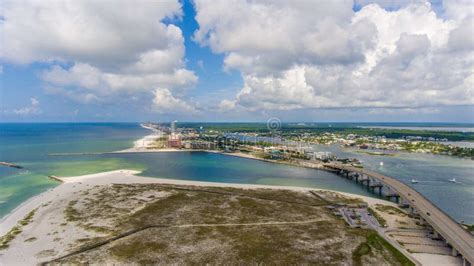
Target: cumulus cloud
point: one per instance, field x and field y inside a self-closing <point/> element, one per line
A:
<point x="103" y="83"/>
<point x="226" y="105"/>
<point x="388" y="54"/>
<point x="458" y="9"/>
<point x="265" y="37"/>
<point x="165" y="102"/>
<point x="98" y="49"/>
<point x="32" y="109"/>
<point x="75" y="95"/>
<point x="102" y="32"/>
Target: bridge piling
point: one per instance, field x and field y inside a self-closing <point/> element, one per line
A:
<point x="454" y="252"/>
<point x="443" y="226"/>
<point x="465" y="262"/>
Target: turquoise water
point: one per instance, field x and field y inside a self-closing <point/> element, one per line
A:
<point x="203" y="166"/>
<point x="29" y="145"/>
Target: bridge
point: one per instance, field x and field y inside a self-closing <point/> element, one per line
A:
<point x="460" y="240"/>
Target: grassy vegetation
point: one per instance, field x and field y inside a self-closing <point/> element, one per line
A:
<point x="71" y="213"/>
<point x="16" y="230"/>
<point x="469" y="227"/>
<point x="402" y="133"/>
<point x="263" y="155"/>
<point x="288" y="129"/>
<point x="379" y="218"/>
<point x="135" y="247"/>
<point x="438" y="148"/>
<point x="375" y="243"/>
<point x="389" y="209"/>
<point x="217" y="235"/>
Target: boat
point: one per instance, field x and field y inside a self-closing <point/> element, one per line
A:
<point x="381" y="163"/>
<point x="452" y="180"/>
<point x="414" y="181"/>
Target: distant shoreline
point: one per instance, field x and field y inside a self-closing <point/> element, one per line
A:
<point x="425" y="128"/>
<point x="76" y="184"/>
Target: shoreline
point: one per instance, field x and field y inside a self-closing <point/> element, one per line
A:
<point x="50" y="207"/>
<point x="57" y="198"/>
<point x="143" y="143"/>
<point x="76" y="184"/>
<point x="125" y="176"/>
<point x="142" y="146"/>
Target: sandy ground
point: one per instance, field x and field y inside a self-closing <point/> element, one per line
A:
<point x="50" y="205"/>
<point x="59" y="196"/>
<point x="143" y="144"/>
<point x="49" y="216"/>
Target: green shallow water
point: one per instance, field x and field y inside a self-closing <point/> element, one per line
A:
<point x="30" y="144"/>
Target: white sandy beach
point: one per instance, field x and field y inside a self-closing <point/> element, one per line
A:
<point x="51" y="204"/>
<point x="50" y="214"/>
<point x="143" y="144"/>
<point x="78" y="183"/>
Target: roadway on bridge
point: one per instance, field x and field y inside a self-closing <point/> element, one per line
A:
<point x="458" y="237"/>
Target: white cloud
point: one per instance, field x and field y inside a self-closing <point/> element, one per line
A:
<point x="226" y="105"/>
<point x="104" y="83"/>
<point x="75" y="95"/>
<point x="103" y="32"/>
<point x="324" y="55"/>
<point x="98" y="49"/>
<point x="32" y="109"/>
<point x="458" y="9"/>
<point x="165" y="102"/>
<point x="265" y="37"/>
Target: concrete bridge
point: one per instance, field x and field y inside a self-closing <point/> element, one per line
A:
<point x="460" y="240"/>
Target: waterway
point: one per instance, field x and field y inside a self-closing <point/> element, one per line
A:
<point x="29" y="145"/>
<point x="432" y="172"/>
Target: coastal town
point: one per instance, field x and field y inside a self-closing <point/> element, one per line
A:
<point x="390" y="226"/>
<point x="243" y="132"/>
<point x="292" y="145"/>
<point x="300" y="153"/>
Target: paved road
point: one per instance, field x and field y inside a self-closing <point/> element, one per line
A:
<point x="455" y="235"/>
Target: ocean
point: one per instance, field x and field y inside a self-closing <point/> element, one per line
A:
<point x="30" y="146"/>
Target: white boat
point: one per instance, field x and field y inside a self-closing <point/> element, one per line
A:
<point x="381" y="163"/>
<point x="452" y="180"/>
<point x="414" y="181"/>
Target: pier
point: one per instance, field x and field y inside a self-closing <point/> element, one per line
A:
<point x="460" y="240"/>
<point x="11" y="165"/>
<point x="53" y="177"/>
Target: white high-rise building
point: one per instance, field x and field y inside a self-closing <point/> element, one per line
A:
<point x="173" y="127"/>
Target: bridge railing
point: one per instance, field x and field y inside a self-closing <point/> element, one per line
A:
<point x="342" y="167"/>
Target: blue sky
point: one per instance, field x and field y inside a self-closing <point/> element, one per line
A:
<point x="237" y="61"/>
